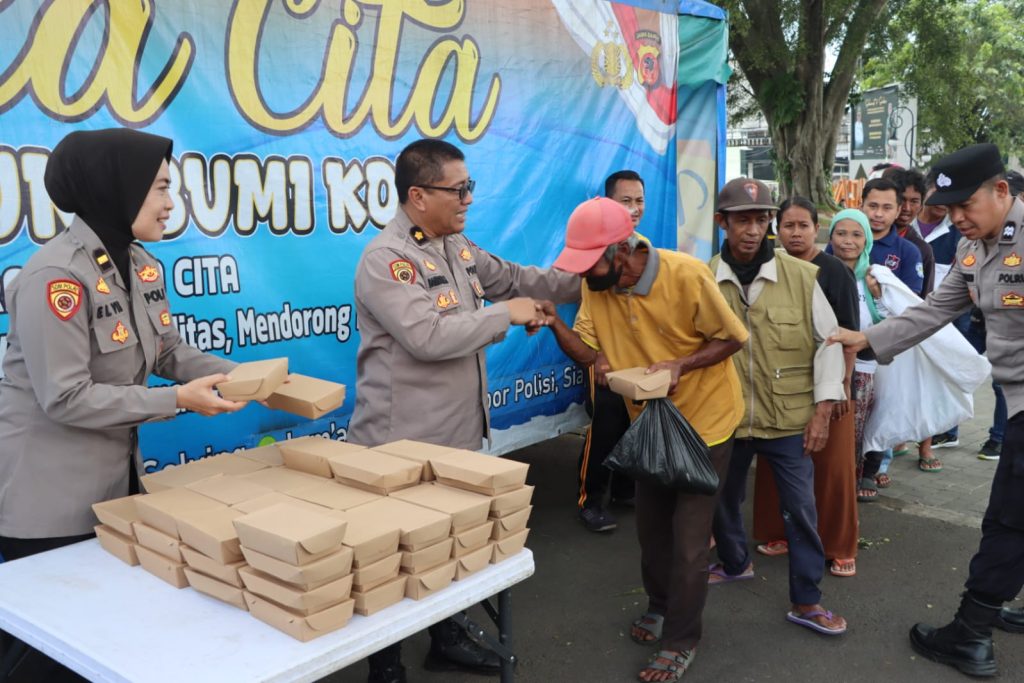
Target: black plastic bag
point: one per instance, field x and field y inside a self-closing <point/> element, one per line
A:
<point x="661" y="446"/>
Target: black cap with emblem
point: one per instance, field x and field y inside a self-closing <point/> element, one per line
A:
<point x="960" y="174"/>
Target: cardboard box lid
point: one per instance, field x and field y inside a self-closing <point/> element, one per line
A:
<point x="117" y="544"/>
<point x="376" y="469"/>
<point x="379" y="597"/>
<point x="255" y="380"/>
<point x="635" y="382"/>
<point x="296" y="599"/>
<point x="419" y="451"/>
<point x="513" y="501"/>
<point x="325" y="396"/>
<point x="118" y="514"/>
<point x="282" y="479"/>
<point x="275" y="529"/>
<point x="268" y="455"/>
<point x="275" y="498"/>
<point x="229" y="490"/>
<point x="370" y="538"/>
<point x="419" y="526"/>
<point x="216" y="589"/>
<point x="312" y="454"/>
<point x="471" y="539"/>
<point x="437" y="578"/>
<point x="303" y="628"/>
<point x="231" y="464"/>
<point x="175" y="476"/>
<point x="212" y="532"/>
<point x="328" y="568"/>
<point x="159" y="566"/>
<point x="158" y="541"/>
<point x="226" y="573"/>
<point x="467" y="509"/>
<point x="335" y="495"/>
<point x="475" y="560"/>
<point x="480" y="470"/>
<point x="514" y="522"/>
<point x="512" y="544"/>
<point x="375" y="573"/>
<point x="426" y="558"/>
<point x="160" y="510"/>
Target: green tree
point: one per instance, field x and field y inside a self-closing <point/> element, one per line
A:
<point x="964" y="61"/>
<point x="780" y="45"/>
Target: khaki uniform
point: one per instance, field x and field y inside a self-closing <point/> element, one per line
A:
<point x="81" y="347"/>
<point x="421" y="369"/>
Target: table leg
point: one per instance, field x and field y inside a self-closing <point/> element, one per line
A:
<point x="504" y="626"/>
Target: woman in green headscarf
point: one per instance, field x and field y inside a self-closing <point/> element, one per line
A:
<point x="850" y="241"/>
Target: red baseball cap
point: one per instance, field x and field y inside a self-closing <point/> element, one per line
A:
<point x="594" y="225"/>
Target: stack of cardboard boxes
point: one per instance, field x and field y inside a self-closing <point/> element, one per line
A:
<point x="308" y="531"/>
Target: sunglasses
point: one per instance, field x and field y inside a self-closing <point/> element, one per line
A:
<point x="462" y="190"/>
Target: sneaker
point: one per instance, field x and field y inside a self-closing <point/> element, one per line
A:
<point x="596" y="519"/>
<point x="990" y="450"/>
<point x="945" y="441"/>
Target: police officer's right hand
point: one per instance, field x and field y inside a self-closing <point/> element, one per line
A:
<point x="523" y="310"/>
<point x="200" y="397"/>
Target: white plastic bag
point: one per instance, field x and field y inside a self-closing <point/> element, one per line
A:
<point x="927" y="389"/>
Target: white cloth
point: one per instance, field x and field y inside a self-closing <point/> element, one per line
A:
<point x="927" y="389"/>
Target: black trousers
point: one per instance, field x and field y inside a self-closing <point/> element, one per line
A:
<point x="609" y="421"/>
<point x="997" y="570"/>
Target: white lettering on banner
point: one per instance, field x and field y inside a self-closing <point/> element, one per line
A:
<point x="23" y="196"/>
<point x="298" y="323"/>
<point x="205" y="335"/>
<point x="261" y="192"/>
<point x="538" y="385"/>
<point x="5" y="282"/>
<point x="359" y="191"/>
<point x="208" y="193"/>
<point x="197" y="275"/>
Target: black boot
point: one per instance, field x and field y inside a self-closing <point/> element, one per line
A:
<point x="386" y="665"/>
<point x="452" y="650"/>
<point x="1010" y="620"/>
<point x="965" y="643"/>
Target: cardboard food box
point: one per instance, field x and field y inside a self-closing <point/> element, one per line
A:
<point x="335" y="495"/>
<point x="295" y="599"/>
<point x="118" y="514"/>
<point x="231" y="465"/>
<point x="282" y="479"/>
<point x="275" y="498"/>
<point x="485" y="474"/>
<point x="307" y="397"/>
<point x="370" y="539"/>
<point x="375" y="471"/>
<point x="254" y="381"/>
<point x="212" y="533"/>
<point x="304" y="628"/>
<point x="427" y="558"/>
<point x="176" y="476"/>
<point x="384" y="595"/>
<point x="370" y="576"/>
<point x="117" y="544"/>
<point x="162" y="568"/>
<point x="267" y="455"/>
<point x="637" y="385"/>
<point x="419" y="586"/>
<point x="511" y="524"/>
<point x="474" y="561"/>
<point x="158" y="541"/>
<point x="472" y="539"/>
<point x="468" y="510"/>
<point x="312" y="454"/>
<point x="291" y="533"/>
<point x="507" y="547"/>
<point x="161" y="510"/>
<point x="419" y="526"/>
<point x="229" y="490"/>
<point x="225" y="573"/>
<point x="418" y="451"/>
<point x="510" y="502"/>
<point x="216" y="589"/>
<point x="306" y="577"/>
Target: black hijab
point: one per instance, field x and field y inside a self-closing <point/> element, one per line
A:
<point x="103" y="176"/>
<point x="746" y="272"/>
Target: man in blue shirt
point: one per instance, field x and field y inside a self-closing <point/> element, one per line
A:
<point x="880" y="202"/>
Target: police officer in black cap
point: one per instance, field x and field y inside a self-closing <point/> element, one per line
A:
<point x="988" y="273"/>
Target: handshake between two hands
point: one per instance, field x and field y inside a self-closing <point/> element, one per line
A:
<point x="533" y="314"/>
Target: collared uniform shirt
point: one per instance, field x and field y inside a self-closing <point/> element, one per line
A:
<point x="81" y="347"/>
<point x="423" y="326"/>
<point x="902" y="258"/>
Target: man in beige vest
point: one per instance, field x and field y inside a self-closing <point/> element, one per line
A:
<point x="790" y="379"/>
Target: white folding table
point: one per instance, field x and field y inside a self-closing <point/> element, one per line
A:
<point x="111" y="622"/>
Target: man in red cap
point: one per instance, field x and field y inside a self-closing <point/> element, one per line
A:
<point x="659" y="309"/>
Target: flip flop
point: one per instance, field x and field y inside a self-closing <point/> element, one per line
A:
<point x="844" y="567"/>
<point x="651" y="624"/>
<point x="773" y="548"/>
<point x="867" y="484"/>
<point x="929" y="465"/>
<point x="717" y="574"/>
<point x="806" y="620"/>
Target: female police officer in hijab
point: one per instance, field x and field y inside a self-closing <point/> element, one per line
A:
<point x="89" y="323"/>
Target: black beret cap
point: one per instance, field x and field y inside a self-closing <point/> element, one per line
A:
<point x="960" y="174"/>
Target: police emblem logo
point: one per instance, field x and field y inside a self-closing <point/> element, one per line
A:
<point x="149" y="274"/>
<point x="892" y="261"/>
<point x="64" y="298"/>
<point x="1012" y="260"/>
<point x="943" y="180"/>
<point x="1013" y="299"/>
<point x="453" y="296"/>
<point x="478" y="289"/>
<point x="465" y="255"/>
<point x="1009" y="230"/>
<point x="102" y="287"/>
<point x="120" y="333"/>
<point x="165" y="318"/>
<point x="443" y="301"/>
<point x="402" y="271"/>
<point x="429" y="265"/>
<point x="969" y="260"/>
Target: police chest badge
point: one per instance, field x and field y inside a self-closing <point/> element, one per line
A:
<point x="64" y="298"/>
<point x="165" y="318"/>
<point x="969" y="260"/>
<point x="1012" y="260"/>
<point x="102" y="287"/>
<point x="477" y="288"/>
<point x="465" y="255"/>
<point x="1013" y="299"/>
<point x="402" y="271"/>
<point x="429" y="265"/>
<point x="149" y="274"/>
<point x="120" y="333"/>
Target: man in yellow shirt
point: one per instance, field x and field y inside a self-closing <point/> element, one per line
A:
<point x="659" y="309"/>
